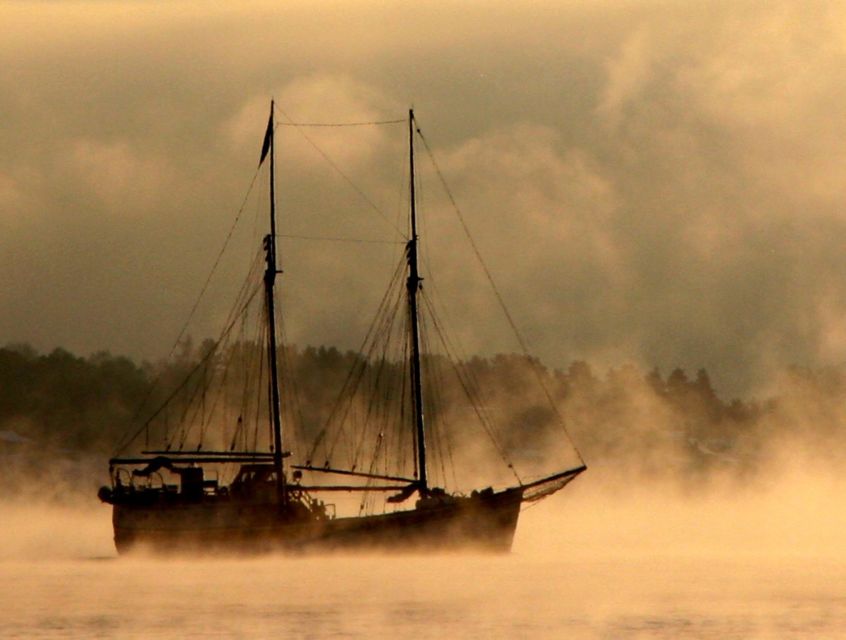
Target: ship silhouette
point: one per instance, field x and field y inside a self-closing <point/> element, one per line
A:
<point x="184" y="496"/>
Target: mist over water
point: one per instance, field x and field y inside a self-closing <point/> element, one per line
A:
<point x="696" y="518"/>
<point x="595" y="561"/>
<point x="670" y="178"/>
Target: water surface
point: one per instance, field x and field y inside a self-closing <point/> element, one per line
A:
<point x="585" y="571"/>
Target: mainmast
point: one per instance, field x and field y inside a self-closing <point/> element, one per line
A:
<point x="269" y="280"/>
<point x="413" y="286"/>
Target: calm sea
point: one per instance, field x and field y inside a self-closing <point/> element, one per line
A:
<point x="59" y="579"/>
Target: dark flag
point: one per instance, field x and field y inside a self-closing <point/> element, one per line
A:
<point x="265" y="147"/>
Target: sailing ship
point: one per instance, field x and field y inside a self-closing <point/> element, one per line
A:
<point x="172" y="498"/>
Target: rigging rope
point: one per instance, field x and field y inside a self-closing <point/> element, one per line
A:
<point x="338" y="170"/>
<point x="339" y="124"/>
<point x="333" y="239"/>
<point x="532" y="361"/>
<point x="291" y="402"/>
<point x="470" y="390"/>
<point x="185" y="382"/>
<point x="259" y="391"/>
<point x="442" y="427"/>
<point x="125" y="443"/>
<point x="238" y="312"/>
<point x="354" y="375"/>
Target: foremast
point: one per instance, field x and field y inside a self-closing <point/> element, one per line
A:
<point x="413" y="287"/>
<point x="270" y="273"/>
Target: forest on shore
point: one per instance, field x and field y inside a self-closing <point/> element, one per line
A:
<point x="65" y="413"/>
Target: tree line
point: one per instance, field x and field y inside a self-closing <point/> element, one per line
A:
<point x="635" y="421"/>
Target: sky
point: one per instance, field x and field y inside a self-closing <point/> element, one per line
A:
<point x="648" y="182"/>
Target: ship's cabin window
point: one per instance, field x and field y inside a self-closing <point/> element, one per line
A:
<point x="252" y="474"/>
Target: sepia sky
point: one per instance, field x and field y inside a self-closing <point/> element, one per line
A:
<point x="654" y="182"/>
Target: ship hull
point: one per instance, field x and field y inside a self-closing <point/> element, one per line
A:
<point x="483" y="523"/>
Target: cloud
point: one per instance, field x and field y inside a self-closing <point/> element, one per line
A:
<point x="628" y="74"/>
<point x="321" y="98"/>
<point x="118" y="176"/>
<point x="647" y="182"/>
<point x="541" y="218"/>
<point x="15" y="204"/>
